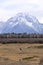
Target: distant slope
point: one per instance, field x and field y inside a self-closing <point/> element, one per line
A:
<point x="23" y="22"/>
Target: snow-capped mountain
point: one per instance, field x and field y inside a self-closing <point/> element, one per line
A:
<point x="21" y="23"/>
<point x="1" y="26"/>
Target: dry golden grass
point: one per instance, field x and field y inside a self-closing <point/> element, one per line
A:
<point x="29" y="53"/>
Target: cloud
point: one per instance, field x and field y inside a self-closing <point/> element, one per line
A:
<point x="9" y="8"/>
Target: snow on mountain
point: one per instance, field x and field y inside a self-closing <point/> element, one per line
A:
<point x="1" y="26"/>
<point x="21" y="23"/>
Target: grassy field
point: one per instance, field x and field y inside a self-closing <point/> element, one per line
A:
<point x="21" y="54"/>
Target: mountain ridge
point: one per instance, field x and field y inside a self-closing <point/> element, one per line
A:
<point x="22" y="23"/>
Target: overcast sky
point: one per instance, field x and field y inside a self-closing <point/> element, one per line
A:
<point x="9" y="8"/>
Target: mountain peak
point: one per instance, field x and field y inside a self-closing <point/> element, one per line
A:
<point x="23" y="22"/>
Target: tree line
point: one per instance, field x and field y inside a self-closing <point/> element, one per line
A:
<point x="21" y="35"/>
